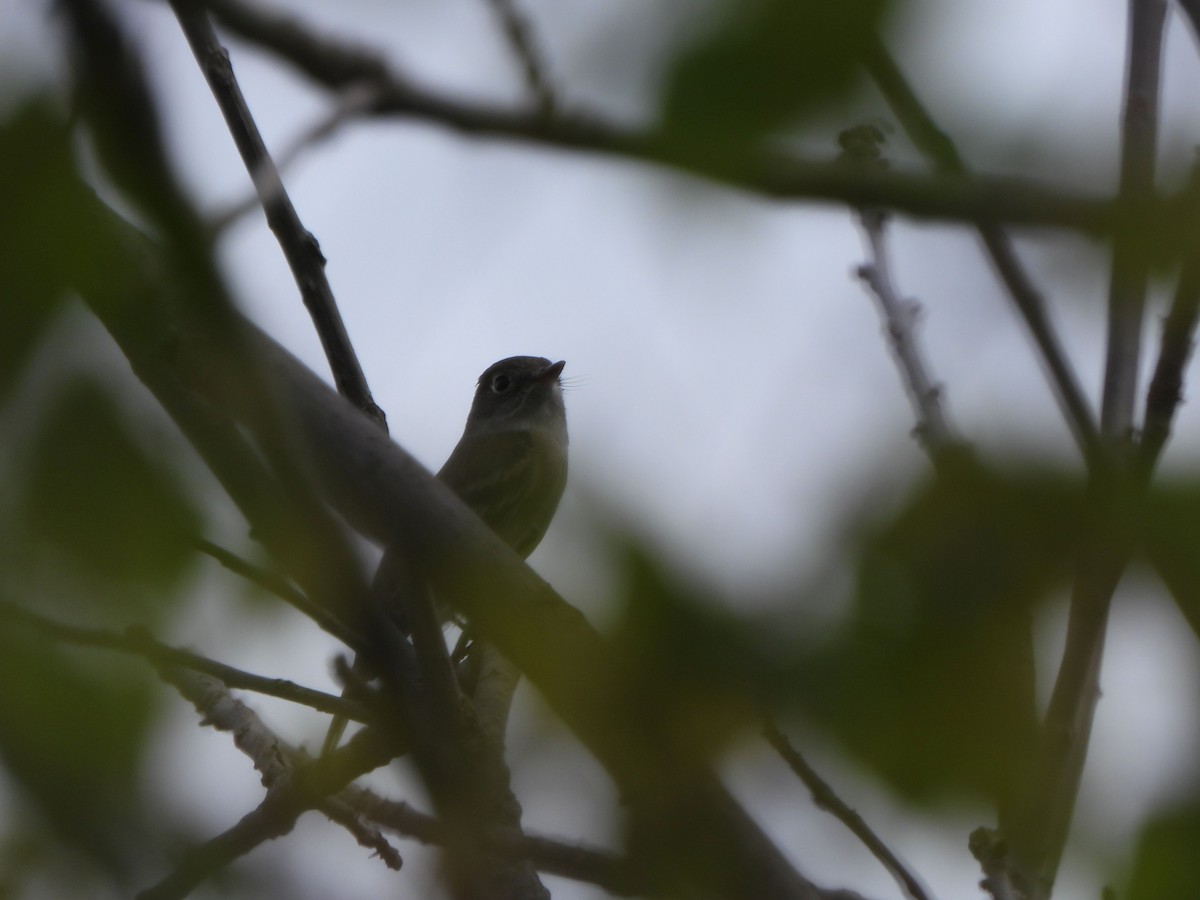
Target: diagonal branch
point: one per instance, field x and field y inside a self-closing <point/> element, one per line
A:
<point x="522" y="38"/>
<point x="138" y="642"/>
<point x="298" y="244"/>
<point x="293" y="786"/>
<point x="826" y="798"/>
<point x="281" y="588"/>
<point x="351" y="103"/>
<point x="274" y="817"/>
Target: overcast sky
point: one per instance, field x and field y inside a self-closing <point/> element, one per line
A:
<point x="732" y="390"/>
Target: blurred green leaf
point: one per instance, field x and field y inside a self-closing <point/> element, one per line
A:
<point x="1166" y="865"/>
<point x="72" y="729"/>
<point x="50" y="230"/>
<point x="765" y="64"/>
<point x="1172" y="543"/>
<point x="696" y="669"/>
<point x="931" y="681"/>
<point x="96" y="498"/>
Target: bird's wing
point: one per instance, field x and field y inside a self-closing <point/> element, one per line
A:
<point x="512" y="480"/>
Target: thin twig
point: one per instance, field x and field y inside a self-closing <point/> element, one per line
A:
<point x="351" y="103"/>
<point x="281" y="588"/>
<point x="337" y="809"/>
<point x="139" y="642"/>
<point x="525" y="46"/>
<point x="899" y="317"/>
<point x="273" y="494"/>
<point x="274" y="817"/>
<point x="298" y="244"/>
<point x="938" y="147"/>
<point x="1165" y="392"/>
<point x="1130" y="259"/>
<point x="294" y="785"/>
<point x="827" y="799"/>
<point x="591" y="865"/>
<point x="1166" y="386"/>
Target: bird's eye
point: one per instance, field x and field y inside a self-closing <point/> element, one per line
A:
<point x="501" y="383"/>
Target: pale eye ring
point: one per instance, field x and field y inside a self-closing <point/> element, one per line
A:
<point x="501" y="383"/>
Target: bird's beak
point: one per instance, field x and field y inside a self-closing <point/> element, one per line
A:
<point x="551" y="372"/>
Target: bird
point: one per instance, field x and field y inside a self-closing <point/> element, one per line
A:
<point x="509" y="466"/>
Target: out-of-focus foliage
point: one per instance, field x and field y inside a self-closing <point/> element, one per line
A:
<point x="1167" y="866"/>
<point x="100" y="502"/>
<point x="764" y="65"/>
<point x="1172" y="542"/>
<point x="710" y="667"/>
<point x="84" y="494"/>
<point x="49" y="232"/>
<point x="72" y="727"/>
<point x="90" y="521"/>
<point x="930" y="681"/>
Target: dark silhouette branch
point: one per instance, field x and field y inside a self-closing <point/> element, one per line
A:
<point x="349" y="104"/>
<point x="1131" y="255"/>
<point x="278" y="586"/>
<point x="140" y="643"/>
<point x="274" y="817"/>
<point x="294" y="785"/>
<point x="1165" y="392"/>
<point x="299" y="246"/>
<point x="310" y="545"/>
<point x="336" y="65"/>
<point x="599" y="867"/>
<point x="466" y="777"/>
<point x="827" y="799"/>
<point x="523" y="39"/>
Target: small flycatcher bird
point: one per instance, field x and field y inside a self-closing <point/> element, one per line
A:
<point x="510" y="465"/>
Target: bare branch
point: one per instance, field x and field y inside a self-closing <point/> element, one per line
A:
<point x="599" y="867"/>
<point x="1130" y="264"/>
<point x="1175" y="350"/>
<point x="308" y="542"/>
<point x="523" y="40"/>
<point x="274" y="817"/>
<point x="465" y="773"/>
<point x="298" y="244"/>
<point x="826" y="798"/>
<point x="293" y="786"/>
<point x="280" y="587"/>
<point x="939" y="148"/>
<point x="337" y="809"/>
<point x="949" y="196"/>
<point x="1067" y="729"/>
<point x="351" y="103"/>
<point x="139" y="642"/>
<point x="899" y="318"/>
